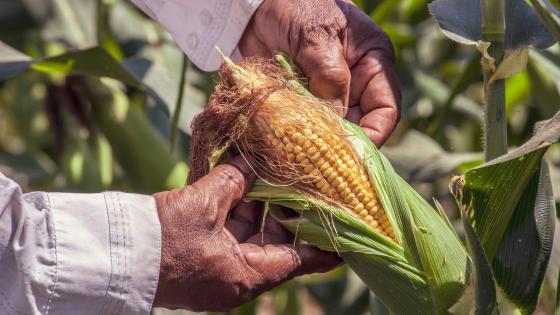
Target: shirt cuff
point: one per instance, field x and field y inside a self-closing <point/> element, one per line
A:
<point x="108" y="249"/>
<point x="199" y="26"/>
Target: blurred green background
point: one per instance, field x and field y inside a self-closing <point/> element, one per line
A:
<point x="89" y="90"/>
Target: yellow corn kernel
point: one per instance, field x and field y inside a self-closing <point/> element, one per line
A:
<point x="332" y="169"/>
<point x="309" y="168"/>
<point x="360" y="207"/>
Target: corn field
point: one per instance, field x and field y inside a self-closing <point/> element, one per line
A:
<point x="455" y="214"/>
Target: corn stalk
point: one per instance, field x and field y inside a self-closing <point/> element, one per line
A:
<point x="495" y="126"/>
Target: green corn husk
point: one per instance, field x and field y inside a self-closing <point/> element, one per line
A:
<point x="426" y="270"/>
<point x="426" y="274"/>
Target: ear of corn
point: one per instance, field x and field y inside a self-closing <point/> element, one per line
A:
<point x="349" y="198"/>
<point x="329" y="166"/>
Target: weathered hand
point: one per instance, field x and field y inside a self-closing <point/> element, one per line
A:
<point x="346" y="56"/>
<point x="214" y="259"/>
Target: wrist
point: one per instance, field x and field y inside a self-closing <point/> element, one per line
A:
<point x="161" y="291"/>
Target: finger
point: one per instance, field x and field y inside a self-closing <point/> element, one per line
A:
<point x="354" y="114"/>
<point x="272" y="233"/>
<point x="324" y="65"/>
<point x="244" y="220"/>
<point x="250" y="43"/>
<point x="276" y="263"/>
<point x="224" y="186"/>
<point x="377" y="91"/>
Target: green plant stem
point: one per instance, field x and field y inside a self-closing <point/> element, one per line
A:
<point x="495" y="124"/>
<point x="179" y="103"/>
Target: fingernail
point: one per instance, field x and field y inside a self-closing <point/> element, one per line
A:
<point x="338" y="106"/>
<point x="243" y="166"/>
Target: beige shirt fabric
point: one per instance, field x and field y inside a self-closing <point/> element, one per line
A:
<point x="64" y="253"/>
<point x="199" y="26"/>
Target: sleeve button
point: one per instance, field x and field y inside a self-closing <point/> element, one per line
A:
<point x="192" y="41"/>
<point x="205" y="18"/>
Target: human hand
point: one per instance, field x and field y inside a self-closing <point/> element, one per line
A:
<point x="348" y="59"/>
<point x="214" y="259"/>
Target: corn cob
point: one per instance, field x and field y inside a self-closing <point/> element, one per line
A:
<point x="298" y="141"/>
<point x="331" y="168"/>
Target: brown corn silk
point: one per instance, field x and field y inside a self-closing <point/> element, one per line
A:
<point x="289" y="139"/>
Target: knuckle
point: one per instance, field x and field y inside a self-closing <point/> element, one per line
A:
<point x="335" y="76"/>
<point x="232" y="178"/>
<point x="315" y="27"/>
<point x="296" y="263"/>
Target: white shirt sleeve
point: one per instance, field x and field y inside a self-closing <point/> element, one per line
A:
<point x="199" y="25"/>
<point x="77" y="253"/>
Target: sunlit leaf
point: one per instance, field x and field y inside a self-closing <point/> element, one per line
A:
<point x="514" y="62"/>
<point x="518" y="88"/>
<point x="105" y="37"/>
<point x="12" y="61"/>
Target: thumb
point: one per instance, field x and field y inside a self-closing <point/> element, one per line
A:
<point x="329" y="76"/>
<point x="226" y="184"/>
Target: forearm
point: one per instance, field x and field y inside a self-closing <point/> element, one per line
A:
<point x="199" y="25"/>
<point x="77" y="253"/>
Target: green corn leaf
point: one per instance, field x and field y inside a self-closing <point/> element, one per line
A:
<point x="92" y="61"/>
<point x="523" y="254"/>
<point x="97" y="62"/>
<point x="509" y="201"/>
<point x="549" y="14"/>
<point x="484" y="286"/>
